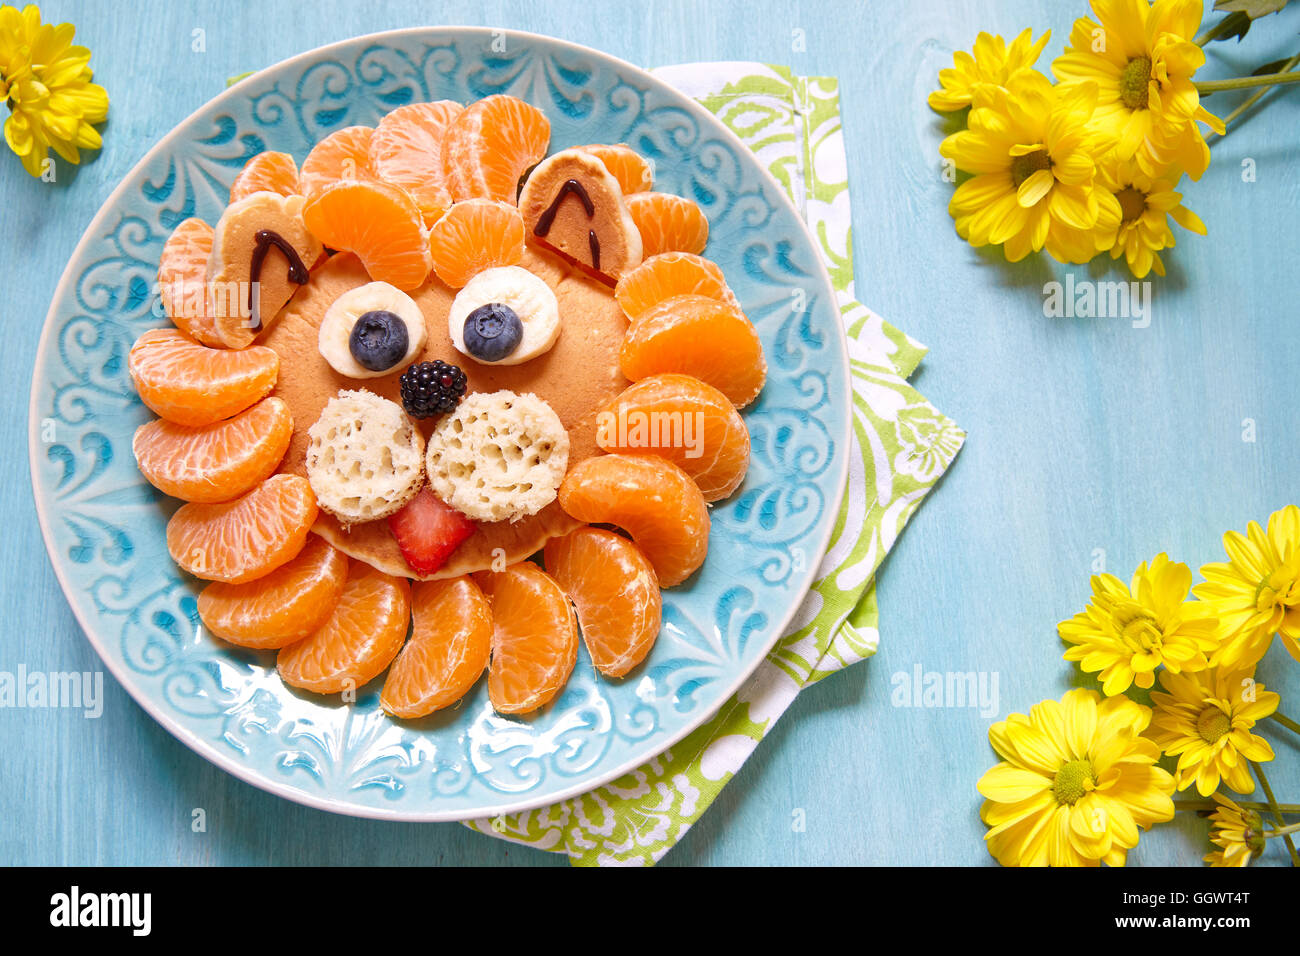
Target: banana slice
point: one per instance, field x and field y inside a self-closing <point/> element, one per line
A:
<point x="335" y="340"/>
<point x="504" y="316"/>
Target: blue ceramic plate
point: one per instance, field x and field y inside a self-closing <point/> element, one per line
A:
<point x="104" y="526"/>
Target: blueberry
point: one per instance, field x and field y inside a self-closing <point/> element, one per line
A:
<point x="492" y="332"/>
<point x="379" y="340"/>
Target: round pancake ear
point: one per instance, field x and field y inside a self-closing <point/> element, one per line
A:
<point x="574" y="205"/>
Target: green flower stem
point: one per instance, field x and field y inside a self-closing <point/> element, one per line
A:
<point x="1198" y="805"/>
<point x="1277" y="812"/>
<point x="1246" y="82"/>
<point x="1255" y="98"/>
<point x="1286" y="722"/>
<point x="1281" y="831"/>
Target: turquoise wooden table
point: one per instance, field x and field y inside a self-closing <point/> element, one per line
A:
<point x="1090" y="440"/>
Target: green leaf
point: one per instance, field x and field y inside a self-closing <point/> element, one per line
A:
<point x="1235" y="24"/>
<point x="1274" y="67"/>
<point x="1251" y="8"/>
<point x="235" y="79"/>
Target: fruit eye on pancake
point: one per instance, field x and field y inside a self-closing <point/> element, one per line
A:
<point x="504" y="316"/>
<point x="574" y="205"/>
<point x="371" y="331"/>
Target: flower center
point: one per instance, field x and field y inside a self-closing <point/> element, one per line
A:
<point x="1072" y="781"/>
<point x="1212" y="724"/>
<point x="1133" y="83"/>
<point x="1022" y="167"/>
<point x="1138" y="628"/>
<point x="1281" y="589"/>
<point x="1132" y="204"/>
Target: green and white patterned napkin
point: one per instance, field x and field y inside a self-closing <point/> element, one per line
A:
<point x="902" y="445"/>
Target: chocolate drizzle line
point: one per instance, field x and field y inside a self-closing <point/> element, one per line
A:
<point x="297" y="271"/>
<point x="547" y="218"/>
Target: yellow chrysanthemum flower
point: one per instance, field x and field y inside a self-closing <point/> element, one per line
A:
<point x="1076" y="782"/>
<point x="1034" y="161"/>
<point x="1126" y="633"/>
<point x="1257" y="592"/>
<point x="992" y="62"/>
<point x="45" y="81"/>
<point x="1142" y="58"/>
<point x="1204" y="720"/>
<point x="1135" y="213"/>
<point x="1238" y="833"/>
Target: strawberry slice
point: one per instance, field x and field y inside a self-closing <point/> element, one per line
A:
<point x="428" y="531"/>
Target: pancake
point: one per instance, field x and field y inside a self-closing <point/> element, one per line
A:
<point x="576" y="378"/>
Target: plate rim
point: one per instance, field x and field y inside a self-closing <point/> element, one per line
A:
<point x="228" y="762"/>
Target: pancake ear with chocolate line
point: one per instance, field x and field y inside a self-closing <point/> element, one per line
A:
<point x="261" y="254"/>
<point x="572" y="204"/>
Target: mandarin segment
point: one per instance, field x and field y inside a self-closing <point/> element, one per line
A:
<point x="247" y="538"/>
<point x="668" y="223"/>
<point x="217" y="462"/>
<point x="615" y="589"/>
<point x="698" y="336"/>
<point x="266" y="172"/>
<point x="474" y="235"/>
<point x="670" y="274"/>
<point x="406" y="151"/>
<point x="651" y="499"/>
<point x="490" y="146"/>
<point x="632" y="170"/>
<point x="684" y="420"/>
<point x="534" y="638"/>
<point x="190" y="384"/>
<point x="285" y="606"/>
<point x="358" y="640"/>
<point x="183" y="281"/>
<point x="451" y="641"/>
<point x="342" y="156"/>
<point x="380" y="223"/>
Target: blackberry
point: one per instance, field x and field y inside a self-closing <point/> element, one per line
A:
<point x="431" y="388"/>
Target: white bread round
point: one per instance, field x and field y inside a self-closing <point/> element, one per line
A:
<point x="365" y="457"/>
<point x="500" y="456"/>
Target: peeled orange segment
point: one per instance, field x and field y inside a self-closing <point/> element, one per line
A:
<point x="183" y="281"/>
<point x="245" y="539"/>
<point x="357" y="641"/>
<point x="632" y="170"/>
<point x="697" y="336"/>
<point x="214" y="462"/>
<point x="285" y="606"/>
<point x="378" y="222"/>
<point x="652" y="500"/>
<point x="406" y="150"/>
<point x="670" y="274"/>
<point x="491" y="145"/>
<point x="190" y="384"/>
<point x="474" y="235"/>
<point x="448" y="650"/>
<point x="534" y="638"/>
<point x="614" y="587"/>
<point x="684" y="420"/>
<point x="342" y="156"/>
<point x="668" y="223"/>
<point x="266" y="173"/>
